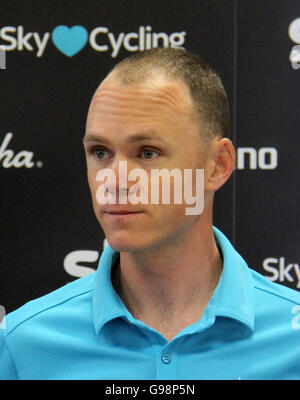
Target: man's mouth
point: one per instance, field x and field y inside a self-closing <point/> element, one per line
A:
<point x="120" y="211"/>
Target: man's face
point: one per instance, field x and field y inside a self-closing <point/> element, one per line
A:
<point x="150" y="125"/>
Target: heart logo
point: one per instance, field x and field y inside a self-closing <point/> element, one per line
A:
<point x="69" y="41"/>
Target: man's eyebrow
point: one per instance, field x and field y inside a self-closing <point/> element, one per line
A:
<point x="139" y="137"/>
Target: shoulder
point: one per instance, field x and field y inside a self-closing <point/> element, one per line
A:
<point x="53" y="301"/>
<point x="272" y="290"/>
<point x="44" y="321"/>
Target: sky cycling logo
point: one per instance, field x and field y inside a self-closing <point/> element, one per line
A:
<point x="71" y="40"/>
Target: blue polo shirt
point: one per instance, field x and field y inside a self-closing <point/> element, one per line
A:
<point x="250" y="329"/>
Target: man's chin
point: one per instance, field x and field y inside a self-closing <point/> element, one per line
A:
<point x="122" y="244"/>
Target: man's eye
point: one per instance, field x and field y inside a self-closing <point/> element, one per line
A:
<point x="148" y="153"/>
<point x="100" y="153"/>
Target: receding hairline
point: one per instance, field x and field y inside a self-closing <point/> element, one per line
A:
<point x="204" y="86"/>
<point x="164" y="81"/>
<point x="158" y="77"/>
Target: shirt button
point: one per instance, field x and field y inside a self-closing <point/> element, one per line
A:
<point x="166" y="358"/>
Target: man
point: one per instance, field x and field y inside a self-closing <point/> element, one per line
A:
<point x="171" y="298"/>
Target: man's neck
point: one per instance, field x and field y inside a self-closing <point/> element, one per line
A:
<point x="168" y="289"/>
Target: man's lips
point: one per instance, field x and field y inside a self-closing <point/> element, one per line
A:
<point x="121" y="211"/>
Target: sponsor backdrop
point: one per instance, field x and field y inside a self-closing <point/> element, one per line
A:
<point x="55" y="54"/>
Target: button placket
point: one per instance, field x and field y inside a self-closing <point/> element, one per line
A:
<point x="167" y="362"/>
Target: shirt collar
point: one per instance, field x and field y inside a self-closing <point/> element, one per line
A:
<point x="107" y="305"/>
<point x="234" y="294"/>
<point x="232" y="298"/>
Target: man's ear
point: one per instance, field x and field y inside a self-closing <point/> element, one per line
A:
<point x="220" y="164"/>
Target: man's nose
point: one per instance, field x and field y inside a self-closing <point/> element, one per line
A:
<point x="121" y="168"/>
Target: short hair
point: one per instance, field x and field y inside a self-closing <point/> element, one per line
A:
<point x="206" y="88"/>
